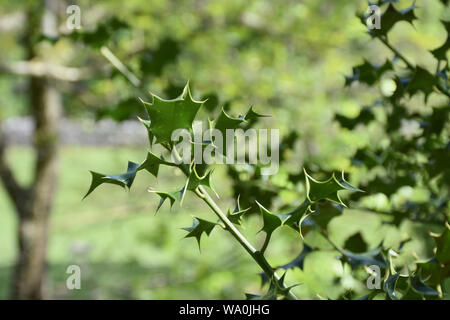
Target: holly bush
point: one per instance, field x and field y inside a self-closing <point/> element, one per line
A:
<point x="412" y="153"/>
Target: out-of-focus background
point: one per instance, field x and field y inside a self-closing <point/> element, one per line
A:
<point x="286" y="58"/>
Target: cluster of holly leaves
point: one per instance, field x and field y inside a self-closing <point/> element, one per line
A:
<point x="166" y="116"/>
<point x="421" y="160"/>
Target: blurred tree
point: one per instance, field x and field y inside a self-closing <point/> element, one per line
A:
<point x="33" y="204"/>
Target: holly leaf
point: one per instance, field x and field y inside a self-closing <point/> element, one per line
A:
<point x="251" y="296"/>
<point x="422" y="80"/>
<point x="298" y="261"/>
<point x="368" y="158"/>
<point x="104" y="33"/>
<point x="199" y="227"/>
<point x="194" y="180"/>
<point x="440" y="53"/>
<point x="365" y="116"/>
<point x="418" y="286"/>
<point x="318" y="190"/>
<point x="390" y="17"/>
<point x="147" y="124"/>
<point x="389" y="286"/>
<point x="123" y="110"/>
<point x="224" y="122"/>
<point x="152" y="163"/>
<point x="270" y="221"/>
<point x="356" y="243"/>
<point x="368" y="73"/>
<point x="432" y="271"/>
<point x="296" y="217"/>
<point x="442" y="241"/>
<point x="166" y="116"/>
<point x="236" y="216"/>
<point x="277" y="291"/>
<point x="252" y="115"/>
<point x="125" y="180"/>
<point x="153" y="62"/>
<point x="324" y="212"/>
<point x="172" y="196"/>
<point x="372" y="257"/>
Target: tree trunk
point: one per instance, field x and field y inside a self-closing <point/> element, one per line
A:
<point x="45" y="104"/>
<point x="33" y="221"/>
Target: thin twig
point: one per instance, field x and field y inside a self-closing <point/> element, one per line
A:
<point x="409" y="64"/>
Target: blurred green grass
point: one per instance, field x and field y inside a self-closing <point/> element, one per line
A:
<point x="125" y="251"/>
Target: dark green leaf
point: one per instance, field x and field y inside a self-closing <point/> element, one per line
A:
<point x="297" y="262"/>
<point x="389" y="286"/>
<point x="124" y="180"/>
<point x="318" y="190"/>
<point x="271" y="221"/>
<point x="152" y="163"/>
<point x="236" y="216"/>
<point x="421" y="287"/>
<point x="166" y="116"/>
<point x="199" y="227"/>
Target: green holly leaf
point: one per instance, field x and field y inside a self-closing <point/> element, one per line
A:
<point x="270" y="221"/>
<point x="236" y="216"/>
<point x="372" y="257"/>
<point x="296" y="217"/>
<point x="390" y="17"/>
<point x="251" y="296"/>
<point x="123" y="110"/>
<point x="125" y="180"/>
<point x="356" y="243"/>
<point x="152" y="163"/>
<point x="172" y="196"/>
<point x="194" y="180"/>
<point x="252" y="115"/>
<point x="368" y="73"/>
<point x="440" y="53"/>
<point x="318" y="190"/>
<point x="277" y="291"/>
<point x="224" y="122"/>
<point x="298" y="261"/>
<point x="324" y="212"/>
<point x="368" y="158"/>
<point x="153" y="62"/>
<point x="166" y="116"/>
<point x="432" y="271"/>
<point x="422" y="80"/>
<point x="365" y="116"/>
<point x="442" y="241"/>
<point x="199" y="227"/>
<point x="418" y="286"/>
<point x="389" y="286"/>
<point x="103" y="34"/>
<point x="371" y="295"/>
<point x="147" y="124"/>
